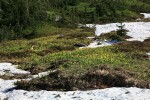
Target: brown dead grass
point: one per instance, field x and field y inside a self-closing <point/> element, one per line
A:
<point x="134" y="46"/>
<point x="103" y="77"/>
<point x="16" y="76"/>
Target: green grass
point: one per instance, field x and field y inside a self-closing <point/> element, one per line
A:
<point x="53" y="49"/>
<point x="48" y="39"/>
<point x="82" y="68"/>
<point x="82" y="60"/>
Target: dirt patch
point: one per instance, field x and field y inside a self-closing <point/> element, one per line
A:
<point x="93" y="79"/>
<point x="15" y="76"/>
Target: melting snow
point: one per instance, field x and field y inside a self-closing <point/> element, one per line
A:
<point x="146" y="15"/>
<point x="103" y="94"/>
<point x="148" y="54"/>
<point x="7" y="90"/>
<point x="42" y="74"/>
<point x="8" y="68"/>
<point x="139" y="31"/>
<point x="98" y="43"/>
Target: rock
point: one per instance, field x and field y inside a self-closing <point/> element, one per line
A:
<point x="79" y="45"/>
<point x="148" y="55"/>
<point x="139" y="19"/>
<point x="58" y="18"/>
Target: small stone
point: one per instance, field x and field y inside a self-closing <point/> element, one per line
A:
<point x="79" y="45"/>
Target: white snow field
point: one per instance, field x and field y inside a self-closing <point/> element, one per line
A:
<point x="8" y="68"/>
<point x="7" y="91"/>
<point x="103" y="94"/>
<point x="146" y="15"/>
<point x="139" y="31"/>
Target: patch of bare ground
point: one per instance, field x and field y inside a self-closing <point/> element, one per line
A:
<point x="97" y="78"/>
<point x="132" y="46"/>
<point x="146" y="20"/>
<point x="113" y="35"/>
<point x="134" y="49"/>
<point x="15" y="76"/>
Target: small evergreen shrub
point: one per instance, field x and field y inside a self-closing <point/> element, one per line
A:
<point x="121" y="31"/>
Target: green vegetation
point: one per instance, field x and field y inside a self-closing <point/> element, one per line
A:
<point x="53" y="48"/>
<point x="19" y="18"/>
<point x="42" y="35"/>
<point x="48" y="39"/>
<point x="112" y="66"/>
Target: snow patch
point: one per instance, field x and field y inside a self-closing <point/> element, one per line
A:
<point x="99" y="94"/>
<point x="8" y="68"/>
<point x="6" y="85"/>
<point x="98" y="43"/>
<point x="7" y="90"/>
<point x="146" y="15"/>
<point x="148" y="54"/>
<point x="42" y="74"/>
<point x="139" y="31"/>
<point x="90" y="37"/>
